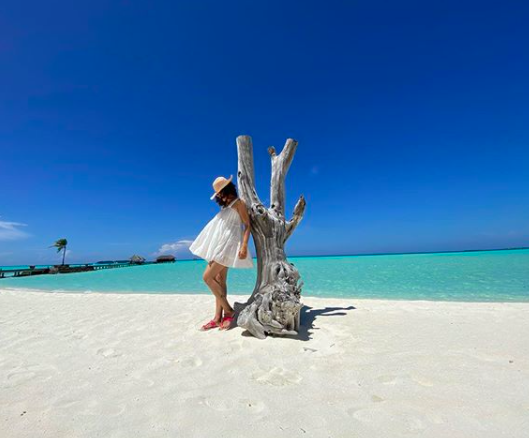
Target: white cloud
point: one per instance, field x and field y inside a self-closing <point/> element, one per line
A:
<point x="12" y="231"/>
<point x="173" y="248"/>
<point x="315" y="170"/>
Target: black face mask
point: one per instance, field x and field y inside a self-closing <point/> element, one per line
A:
<point x="219" y="201"/>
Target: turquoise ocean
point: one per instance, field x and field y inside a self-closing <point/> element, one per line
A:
<point x="456" y="276"/>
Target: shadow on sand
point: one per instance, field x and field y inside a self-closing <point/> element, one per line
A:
<point x="309" y="315"/>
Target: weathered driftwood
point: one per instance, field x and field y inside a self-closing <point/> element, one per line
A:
<point x="274" y="306"/>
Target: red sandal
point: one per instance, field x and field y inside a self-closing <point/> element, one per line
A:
<point x="225" y="324"/>
<point x="210" y="325"/>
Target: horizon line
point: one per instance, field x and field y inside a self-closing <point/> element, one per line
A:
<point x="320" y="255"/>
<point x="395" y="253"/>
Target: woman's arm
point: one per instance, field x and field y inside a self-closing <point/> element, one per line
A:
<point x="245" y="218"/>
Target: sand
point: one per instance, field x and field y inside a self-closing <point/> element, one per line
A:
<point x="124" y="365"/>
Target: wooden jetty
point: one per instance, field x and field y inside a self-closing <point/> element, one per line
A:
<point x="97" y="267"/>
<point x="23" y="272"/>
<point x="68" y="269"/>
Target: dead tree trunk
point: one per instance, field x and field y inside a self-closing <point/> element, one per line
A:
<point x="274" y="306"/>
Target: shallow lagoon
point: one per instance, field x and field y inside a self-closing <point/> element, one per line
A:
<point x="464" y="276"/>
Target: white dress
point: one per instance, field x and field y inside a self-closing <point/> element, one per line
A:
<point x="221" y="239"/>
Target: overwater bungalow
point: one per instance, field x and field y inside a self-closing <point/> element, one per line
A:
<point x="137" y="259"/>
<point x="166" y="259"/>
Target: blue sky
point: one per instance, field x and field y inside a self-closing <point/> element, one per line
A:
<point x="115" y="117"/>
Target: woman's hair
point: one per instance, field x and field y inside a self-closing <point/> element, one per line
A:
<point x="226" y="191"/>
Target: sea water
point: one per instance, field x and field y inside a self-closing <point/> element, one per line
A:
<point x="464" y="276"/>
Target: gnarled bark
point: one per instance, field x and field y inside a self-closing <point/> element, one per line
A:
<point x="274" y="305"/>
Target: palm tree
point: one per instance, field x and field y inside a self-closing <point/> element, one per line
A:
<point x="61" y="246"/>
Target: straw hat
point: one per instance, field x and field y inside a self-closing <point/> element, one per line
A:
<point x="219" y="183"/>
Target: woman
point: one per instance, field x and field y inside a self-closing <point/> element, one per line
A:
<point x="224" y="245"/>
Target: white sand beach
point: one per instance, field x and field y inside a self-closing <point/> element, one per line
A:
<point x="136" y="365"/>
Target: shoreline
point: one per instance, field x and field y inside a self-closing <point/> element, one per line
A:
<point x="105" y="364"/>
<point x="311" y="297"/>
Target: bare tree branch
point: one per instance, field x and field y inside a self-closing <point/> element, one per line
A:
<point x="280" y="166"/>
<point x="246" y="174"/>
<point x="299" y="210"/>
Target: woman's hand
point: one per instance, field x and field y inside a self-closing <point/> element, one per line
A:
<point x="243" y="252"/>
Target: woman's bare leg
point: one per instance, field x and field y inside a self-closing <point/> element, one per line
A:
<point x="218" y="304"/>
<point x="212" y="271"/>
<point x="222" y="279"/>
